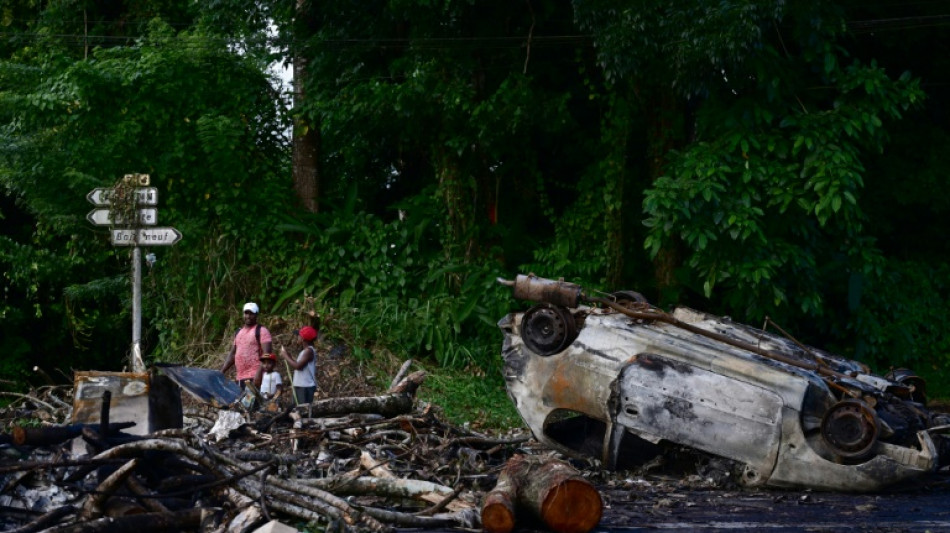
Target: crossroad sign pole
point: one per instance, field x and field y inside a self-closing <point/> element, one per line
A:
<point x="138" y="364"/>
<point x="124" y="202"/>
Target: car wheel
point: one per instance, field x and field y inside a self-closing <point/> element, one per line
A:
<point x="548" y="329"/>
<point x="850" y="428"/>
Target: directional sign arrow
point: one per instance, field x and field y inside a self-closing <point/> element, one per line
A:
<point x="145" y="237"/>
<point x="107" y="196"/>
<point x="104" y="217"/>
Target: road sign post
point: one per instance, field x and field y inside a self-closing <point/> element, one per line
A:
<point x="125" y="208"/>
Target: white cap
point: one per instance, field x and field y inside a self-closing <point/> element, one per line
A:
<point x="252" y="307"/>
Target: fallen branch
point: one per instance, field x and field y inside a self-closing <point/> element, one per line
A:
<point x="46" y="520"/>
<point x="188" y="519"/>
<point x="93" y="507"/>
<point x="400" y="374"/>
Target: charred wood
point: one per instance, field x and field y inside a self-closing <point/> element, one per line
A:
<point x="188" y="519"/>
<point x="47" y="520"/>
<point x="45" y="436"/>
<point x="147" y="498"/>
<point x="42" y="465"/>
<point x="93" y="508"/>
<point x="175" y="483"/>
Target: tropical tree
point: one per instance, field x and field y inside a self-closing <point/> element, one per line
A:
<point x="182" y="106"/>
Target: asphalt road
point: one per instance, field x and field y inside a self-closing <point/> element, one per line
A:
<point x="664" y="507"/>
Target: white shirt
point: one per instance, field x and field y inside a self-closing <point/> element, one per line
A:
<point x="269" y="383"/>
<point x="306" y="377"/>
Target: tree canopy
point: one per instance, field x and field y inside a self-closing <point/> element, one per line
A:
<point x="751" y="158"/>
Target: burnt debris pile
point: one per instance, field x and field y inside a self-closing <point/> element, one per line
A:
<point x="347" y="463"/>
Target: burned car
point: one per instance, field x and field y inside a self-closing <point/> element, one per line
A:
<point x="607" y="377"/>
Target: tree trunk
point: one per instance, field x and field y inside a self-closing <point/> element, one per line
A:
<point x="549" y="489"/>
<point x="667" y="132"/>
<point x="457" y="197"/>
<point x="306" y="135"/>
<point x="616" y="136"/>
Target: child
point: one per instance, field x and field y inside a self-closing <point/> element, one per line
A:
<point x="271" y="384"/>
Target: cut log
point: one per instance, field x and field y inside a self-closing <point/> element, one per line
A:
<point x="564" y="500"/>
<point x="498" y="508"/>
<point x="498" y="511"/>
<point x="549" y="489"/>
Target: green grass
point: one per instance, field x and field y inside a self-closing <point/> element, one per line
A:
<point x="472" y="397"/>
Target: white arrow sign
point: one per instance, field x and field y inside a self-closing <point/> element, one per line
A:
<point x="107" y="196"/>
<point x="145" y="237"/>
<point x="104" y="217"/>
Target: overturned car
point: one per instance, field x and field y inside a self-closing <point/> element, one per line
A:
<point x="611" y="377"/>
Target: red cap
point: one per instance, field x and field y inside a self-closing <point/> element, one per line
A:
<point x="269" y="357"/>
<point x="308" y="333"/>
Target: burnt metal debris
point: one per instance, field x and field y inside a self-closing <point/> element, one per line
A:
<point x="614" y="378"/>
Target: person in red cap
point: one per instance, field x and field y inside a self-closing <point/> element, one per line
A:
<point x="305" y="366"/>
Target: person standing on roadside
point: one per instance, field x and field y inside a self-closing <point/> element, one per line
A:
<point x="305" y="366"/>
<point x="251" y="342"/>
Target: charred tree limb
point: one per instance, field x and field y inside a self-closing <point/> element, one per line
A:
<point x="442" y="504"/>
<point x="464" y="519"/>
<point x="278" y="458"/>
<point x="93" y="508"/>
<point x="216" y="483"/>
<point x="388" y="405"/>
<point x="295" y="504"/>
<point x="188" y="519"/>
<point x="161" y="445"/>
<point x="319" y="500"/>
<point x="148" y="500"/>
<point x="45" y="436"/>
<point x="382" y="486"/>
<point x="174" y="483"/>
<point x="47" y="520"/>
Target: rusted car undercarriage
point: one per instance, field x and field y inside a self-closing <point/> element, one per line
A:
<point x="611" y="377"/>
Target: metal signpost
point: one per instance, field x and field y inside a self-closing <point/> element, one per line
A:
<point x="124" y="209"/>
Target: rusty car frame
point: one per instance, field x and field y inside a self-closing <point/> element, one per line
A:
<point x="609" y="376"/>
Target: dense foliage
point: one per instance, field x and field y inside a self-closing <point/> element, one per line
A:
<point x="751" y="158"/>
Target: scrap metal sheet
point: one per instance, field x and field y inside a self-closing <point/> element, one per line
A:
<point x="207" y="385"/>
